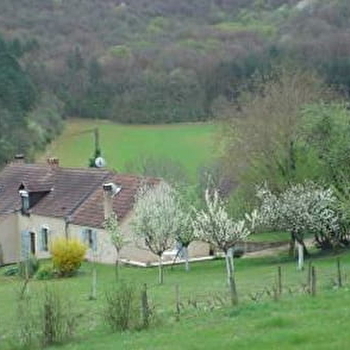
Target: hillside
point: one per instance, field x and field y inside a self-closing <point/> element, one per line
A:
<point x="128" y="148"/>
<point x="164" y="61"/>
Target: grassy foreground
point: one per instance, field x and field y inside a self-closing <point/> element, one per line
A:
<point x="297" y="321"/>
<point x="192" y="145"/>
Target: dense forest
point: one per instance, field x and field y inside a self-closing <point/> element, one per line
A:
<point x="29" y="117"/>
<point x="153" y="61"/>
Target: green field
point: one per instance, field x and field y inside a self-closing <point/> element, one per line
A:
<point x="192" y="145"/>
<point x="296" y="321"/>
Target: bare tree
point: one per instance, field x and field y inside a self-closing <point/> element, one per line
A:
<point x="258" y="137"/>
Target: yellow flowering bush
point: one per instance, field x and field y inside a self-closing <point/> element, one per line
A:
<point x="67" y="255"/>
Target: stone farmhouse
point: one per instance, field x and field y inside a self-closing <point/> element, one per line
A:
<point x="39" y="202"/>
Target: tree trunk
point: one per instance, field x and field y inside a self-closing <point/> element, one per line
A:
<point x="160" y="270"/>
<point x="300" y="256"/>
<point x="231" y="279"/>
<point x="117" y="267"/>
<point x="306" y="252"/>
<point x="292" y="245"/>
<point x="185" y="253"/>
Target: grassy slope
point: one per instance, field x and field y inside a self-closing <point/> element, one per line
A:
<point x="294" y="321"/>
<point x="301" y="323"/>
<point x="189" y="144"/>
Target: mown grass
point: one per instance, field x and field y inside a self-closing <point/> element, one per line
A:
<point x="191" y="145"/>
<point x="296" y="321"/>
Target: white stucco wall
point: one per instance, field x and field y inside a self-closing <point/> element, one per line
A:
<point x="12" y="226"/>
<point x="34" y="223"/>
<point x="9" y="238"/>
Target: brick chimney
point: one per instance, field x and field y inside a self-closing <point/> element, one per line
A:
<point x="108" y="194"/>
<point x="53" y="162"/>
<point x="109" y="191"/>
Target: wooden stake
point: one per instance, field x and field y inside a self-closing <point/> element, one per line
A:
<point x="279" y="280"/>
<point x="145" y="307"/>
<point x="313" y="281"/>
<point x="177" y="296"/>
<point x="340" y="282"/>
<point x="309" y="276"/>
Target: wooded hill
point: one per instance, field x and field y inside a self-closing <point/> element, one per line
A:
<point x="151" y="61"/>
<point x="29" y="117"/>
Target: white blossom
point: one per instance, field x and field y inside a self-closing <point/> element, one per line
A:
<point x="301" y="208"/>
<point x="158" y="217"/>
<point x="213" y="225"/>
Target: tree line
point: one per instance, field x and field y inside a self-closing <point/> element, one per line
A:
<point x="29" y="117"/>
<point x="162" y="62"/>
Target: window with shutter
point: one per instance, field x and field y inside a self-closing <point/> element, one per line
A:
<point x="89" y="237"/>
<point x="44" y="239"/>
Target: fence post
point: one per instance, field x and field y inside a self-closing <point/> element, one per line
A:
<point x="177" y="297"/>
<point x="309" y="277"/>
<point x="340" y="282"/>
<point x="313" y="281"/>
<point x="145" y="307"/>
<point x="279" y="280"/>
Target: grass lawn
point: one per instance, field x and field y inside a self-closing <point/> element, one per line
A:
<point x="297" y="321"/>
<point x="192" y="145"/>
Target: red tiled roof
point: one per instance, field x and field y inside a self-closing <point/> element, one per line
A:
<point x="91" y="212"/>
<point x="74" y="193"/>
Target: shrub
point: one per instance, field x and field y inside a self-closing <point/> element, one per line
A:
<point x="50" y="321"/>
<point x="29" y="267"/>
<point x="11" y="271"/>
<point x="122" y="311"/>
<point x="27" y="323"/>
<point x="237" y="253"/>
<point x="67" y="255"/>
<point x="46" y="273"/>
<point x="58" y="322"/>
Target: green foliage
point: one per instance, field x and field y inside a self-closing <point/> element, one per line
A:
<point x="28" y="121"/>
<point x="45" y="319"/>
<point x="324" y="139"/>
<point x="122" y="311"/>
<point x="29" y="267"/>
<point x="11" y="271"/>
<point x="46" y="272"/>
<point x="58" y="320"/>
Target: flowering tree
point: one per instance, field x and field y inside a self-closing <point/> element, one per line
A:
<point x="301" y="208"/>
<point x="213" y="225"/>
<point x="112" y="227"/>
<point x="158" y="219"/>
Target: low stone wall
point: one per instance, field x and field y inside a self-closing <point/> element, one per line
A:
<point x="250" y="247"/>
